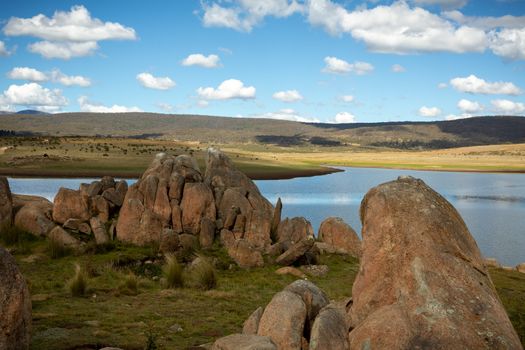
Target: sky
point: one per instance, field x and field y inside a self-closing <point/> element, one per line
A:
<point x="312" y="60"/>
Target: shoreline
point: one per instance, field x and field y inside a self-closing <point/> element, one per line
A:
<point x="284" y="174"/>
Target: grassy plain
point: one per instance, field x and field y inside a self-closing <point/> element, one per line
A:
<point x="124" y="157"/>
<point x="113" y="313"/>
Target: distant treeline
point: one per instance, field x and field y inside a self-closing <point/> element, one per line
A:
<point x="11" y="133"/>
<point x="416" y="144"/>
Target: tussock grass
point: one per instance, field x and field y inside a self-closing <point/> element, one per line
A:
<point x="130" y="284"/>
<point x="13" y="236"/>
<point x="173" y="272"/>
<point x="77" y="285"/>
<point x="203" y="275"/>
<point x="56" y="249"/>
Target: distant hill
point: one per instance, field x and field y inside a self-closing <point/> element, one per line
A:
<point x="221" y="130"/>
<point x="31" y="112"/>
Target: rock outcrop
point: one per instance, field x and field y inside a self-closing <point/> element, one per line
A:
<point x="33" y="214"/>
<point x="15" y="306"/>
<point x="422" y="282"/>
<point x="299" y="317"/>
<point x="340" y="236"/>
<point x="6" y="204"/>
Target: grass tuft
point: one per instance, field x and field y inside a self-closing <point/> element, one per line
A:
<point x="203" y="274"/>
<point x="77" y="285"/>
<point x="173" y="272"/>
<point x="13" y="236"/>
<point x="56" y="249"/>
<point x="130" y="285"/>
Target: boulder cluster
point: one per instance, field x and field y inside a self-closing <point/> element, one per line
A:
<point x="175" y="205"/>
<point x="421" y="284"/>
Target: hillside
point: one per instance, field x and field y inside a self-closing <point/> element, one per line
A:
<point x="227" y="130"/>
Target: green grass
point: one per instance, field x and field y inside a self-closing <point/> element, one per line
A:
<point x="173" y="272"/>
<point x="78" y="284"/>
<point x="110" y="315"/>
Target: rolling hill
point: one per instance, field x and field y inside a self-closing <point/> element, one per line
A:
<point x="226" y="130"/>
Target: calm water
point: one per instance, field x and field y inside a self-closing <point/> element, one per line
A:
<point x="492" y="205"/>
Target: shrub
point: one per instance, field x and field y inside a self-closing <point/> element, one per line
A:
<point x="12" y="235"/>
<point x="203" y="275"/>
<point x="77" y="285"/>
<point x="173" y="272"/>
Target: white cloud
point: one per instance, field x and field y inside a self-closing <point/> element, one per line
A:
<point x="347" y="98"/>
<point x="87" y="106"/>
<point x="474" y="85"/>
<point x="245" y="14"/>
<point x="67" y="34"/>
<point x="76" y="25"/>
<point x="509" y="43"/>
<point x="344" y="117"/>
<point x="396" y="28"/>
<point x="284" y="114"/>
<point x="486" y="23"/>
<point x="3" y="49"/>
<point x="456" y="117"/>
<point x="508" y="107"/>
<point x="288" y="96"/>
<point x="33" y="95"/>
<point x="397" y="68"/>
<point x="442" y="85"/>
<point x="166" y="107"/>
<point x="446" y="4"/>
<point x="26" y="73"/>
<point x="69" y="80"/>
<point x="63" y="50"/>
<point x="228" y="89"/>
<point x="197" y="59"/>
<point x="338" y="66"/>
<point x="158" y="83"/>
<point x="429" y="111"/>
<point x="468" y="106"/>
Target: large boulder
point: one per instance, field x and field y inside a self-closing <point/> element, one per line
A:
<point x="6" y="204"/>
<point x="15" y="306"/>
<point x="337" y="233"/>
<point x="283" y="320"/>
<point x="291" y="231"/>
<point x="232" y="188"/>
<point x="329" y="330"/>
<point x="33" y="214"/>
<point x="422" y="282"/>
<point x="296" y="251"/>
<point x="70" y="204"/>
<point x="197" y="203"/>
<point x="240" y="250"/>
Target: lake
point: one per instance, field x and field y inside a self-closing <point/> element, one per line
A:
<point x="492" y="205"/>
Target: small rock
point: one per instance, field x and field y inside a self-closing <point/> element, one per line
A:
<point x="316" y="270"/>
<point x="244" y="342"/>
<point x="492" y="262"/>
<point x="288" y="270"/>
<point x="521" y="267"/>
<point x="175" y="328"/>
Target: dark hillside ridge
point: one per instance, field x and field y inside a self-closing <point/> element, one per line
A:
<point x="227" y="130"/>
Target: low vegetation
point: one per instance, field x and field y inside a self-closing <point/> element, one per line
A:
<point x="173" y="272"/>
<point x="125" y="302"/>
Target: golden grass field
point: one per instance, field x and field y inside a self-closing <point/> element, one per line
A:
<point x="124" y="157"/>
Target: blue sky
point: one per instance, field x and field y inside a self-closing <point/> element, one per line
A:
<point x="312" y="60"/>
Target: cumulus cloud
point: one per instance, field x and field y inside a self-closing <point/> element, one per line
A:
<point x="197" y="59"/>
<point x="347" y="98"/>
<point x="288" y="96"/>
<point x="429" y="111"/>
<point x="474" y="85"/>
<point x="507" y="107"/>
<point x="468" y="106"/>
<point x="3" y="49"/>
<point x="33" y="95"/>
<point x="228" y="89"/>
<point x="509" y="43"/>
<point x="460" y="116"/>
<point x="445" y="4"/>
<point x="397" y="68"/>
<point x="284" y="114"/>
<point x="87" y="106"/>
<point x="396" y="28"/>
<point x="26" y="73"/>
<point x="158" y="83"/>
<point x="338" y="66"/>
<point x="487" y="23"/>
<point x="243" y="15"/>
<point x="67" y="34"/>
<point x="63" y="50"/>
<point x="344" y="117"/>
